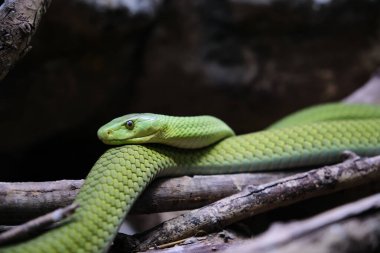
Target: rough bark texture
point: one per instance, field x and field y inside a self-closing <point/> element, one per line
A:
<point x="347" y="229"/>
<point x="255" y="200"/>
<point x="23" y="201"/>
<point x="18" y="22"/>
<point x="186" y="193"/>
<point x="34" y="226"/>
<point x="354" y="227"/>
<point x="199" y="244"/>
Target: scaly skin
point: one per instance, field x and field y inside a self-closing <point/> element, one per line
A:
<point x="329" y="112"/>
<point x="180" y="132"/>
<point x="121" y="174"/>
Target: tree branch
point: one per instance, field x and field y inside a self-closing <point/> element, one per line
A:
<point x="350" y="228"/>
<point x="36" y="225"/>
<point x="322" y="229"/>
<point x="23" y="201"/>
<point x="18" y="22"/>
<point x="255" y="200"/>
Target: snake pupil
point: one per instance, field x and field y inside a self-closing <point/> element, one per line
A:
<point x="129" y="124"/>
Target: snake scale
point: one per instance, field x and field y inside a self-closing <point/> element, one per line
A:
<point x="312" y="137"/>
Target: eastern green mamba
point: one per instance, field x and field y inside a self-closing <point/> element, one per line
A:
<point x="180" y="132"/>
<point x="313" y="137"/>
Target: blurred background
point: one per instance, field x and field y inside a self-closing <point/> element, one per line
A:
<point x="248" y="62"/>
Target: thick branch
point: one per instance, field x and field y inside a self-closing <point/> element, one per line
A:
<point x="18" y="22"/>
<point x="255" y="200"/>
<point x="23" y="201"/>
<point x="344" y="229"/>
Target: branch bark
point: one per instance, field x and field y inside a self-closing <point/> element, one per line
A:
<point x="24" y="201"/>
<point x="19" y="20"/>
<point x="350" y="228"/>
<point x="36" y="225"/>
<point x="344" y="229"/>
<point x="255" y="200"/>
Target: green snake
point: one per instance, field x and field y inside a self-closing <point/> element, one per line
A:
<point x="312" y="137"/>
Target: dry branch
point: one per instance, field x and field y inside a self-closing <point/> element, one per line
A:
<point x="36" y="225"/>
<point x="255" y="200"/>
<point x="18" y="22"/>
<point x="23" y="201"/>
<point x="343" y="229"/>
<point x="353" y="227"/>
<point x="208" y="243"/>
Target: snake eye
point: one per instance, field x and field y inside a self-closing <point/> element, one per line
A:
<point x="129" y="124"/>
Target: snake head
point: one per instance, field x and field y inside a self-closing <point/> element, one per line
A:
<point x="134" y="128"/>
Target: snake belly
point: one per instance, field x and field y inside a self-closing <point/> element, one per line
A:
<point x="121" y="174"/>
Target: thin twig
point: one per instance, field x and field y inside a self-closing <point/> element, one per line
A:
<point x="35" y="225"/>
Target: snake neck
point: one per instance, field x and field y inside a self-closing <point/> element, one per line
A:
<point x="192" y="132"/>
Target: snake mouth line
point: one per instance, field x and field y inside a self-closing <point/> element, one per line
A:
<point x="144" y="139"/>
<point x="135" y="140"/>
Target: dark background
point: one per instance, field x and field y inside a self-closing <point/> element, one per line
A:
<point x="246" y="62"/>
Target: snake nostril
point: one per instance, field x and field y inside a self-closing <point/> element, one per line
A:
<point x="109" y="132"/>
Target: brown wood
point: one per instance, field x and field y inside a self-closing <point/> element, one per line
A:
<point x="343" y="229"/>
<point x="353" y="227"/>
<point x="254" y="200"/>
<point x="24" y="201"/>
<point x="19" y="20"/>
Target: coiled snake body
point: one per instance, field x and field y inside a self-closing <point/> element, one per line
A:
<point x="316" y="136"/>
